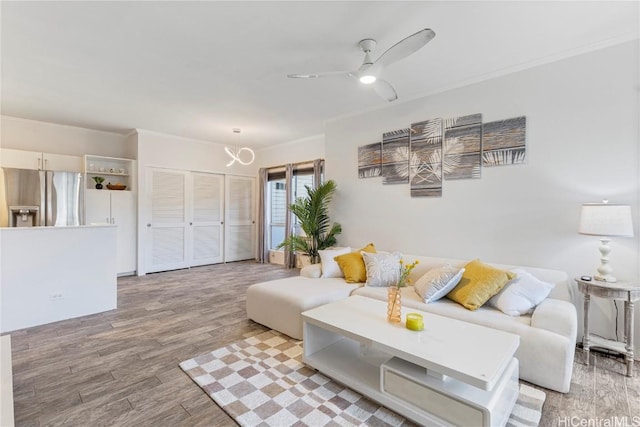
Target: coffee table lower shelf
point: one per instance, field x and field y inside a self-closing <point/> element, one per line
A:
<point x="425" y="397"/>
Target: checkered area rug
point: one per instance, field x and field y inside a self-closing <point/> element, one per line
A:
<point x="261" y="381"/>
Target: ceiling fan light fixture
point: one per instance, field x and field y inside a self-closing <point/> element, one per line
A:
<point x="367" y="79"/>
<point x="370" y="69"/>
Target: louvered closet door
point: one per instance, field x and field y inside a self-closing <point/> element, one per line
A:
<point x="168" y="232"/>
<point x="239" y="234"/>
<point x="208" y="204"/>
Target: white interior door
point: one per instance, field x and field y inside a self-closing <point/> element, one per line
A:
<point x="207" y="191"/>
<point x="167" y="229"/>
<point x="239" y="229"/>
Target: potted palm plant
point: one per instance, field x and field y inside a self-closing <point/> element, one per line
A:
<point x="312" y="213"/>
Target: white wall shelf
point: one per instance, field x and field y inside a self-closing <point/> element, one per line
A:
<point x="109" y="173"/>
<point x="114" y="170"/>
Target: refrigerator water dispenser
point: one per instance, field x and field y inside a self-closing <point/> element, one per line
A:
<point x="24" y="216"/>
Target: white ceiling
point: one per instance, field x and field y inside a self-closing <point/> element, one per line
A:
<point x="199" y="69"/>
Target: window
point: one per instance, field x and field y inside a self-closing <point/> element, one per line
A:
<point x="277" y="209"/>
<point x="298" y="182"/>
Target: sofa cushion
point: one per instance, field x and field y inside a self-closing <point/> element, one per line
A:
<point x="437" y="282"/>
<point x="383" y="270"/>
<point x="278" y="304"/>
<point x="479" y="282"/>
<point x="521" y="294"/>
<point x="312" y="271"/>
<point x="330" y="267"/>
<point x="352" y="264"/>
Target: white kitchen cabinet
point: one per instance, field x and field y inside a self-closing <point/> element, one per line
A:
<point x="22" y="159"/>
<point x="118" y="208"/>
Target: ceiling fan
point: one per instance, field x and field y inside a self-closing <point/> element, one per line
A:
<point x="369" y="72"/>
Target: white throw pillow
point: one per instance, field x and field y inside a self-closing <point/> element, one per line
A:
<point x="437" y="282"/>
<point x="330" y="267"/>
<point x="312" y="271"/>
<point x="521" y="294"/>
<point x="383" y="270"/>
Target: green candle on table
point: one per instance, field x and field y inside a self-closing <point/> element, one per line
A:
<point x="414" y="322"/>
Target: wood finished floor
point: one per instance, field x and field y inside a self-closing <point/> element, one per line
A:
<point x="120" y="368"/>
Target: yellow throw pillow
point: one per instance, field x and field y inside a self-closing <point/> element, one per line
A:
<point x="352" y="265"/>
<point x="479" y="283"/>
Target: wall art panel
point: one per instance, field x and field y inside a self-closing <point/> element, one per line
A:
<point x="504" y="142"/>
<point x="426" y="159"/>
<point x="395" y="157"/>
<point x="460" y="121"/>
<point x="370" y="160"/>
<point x="462" y="147"/>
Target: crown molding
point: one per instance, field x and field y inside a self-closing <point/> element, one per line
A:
<point x="21" y="119"/>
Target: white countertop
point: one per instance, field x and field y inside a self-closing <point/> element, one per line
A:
<point x="57" y="228"/>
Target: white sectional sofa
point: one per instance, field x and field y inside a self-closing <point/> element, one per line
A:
<point x="547" y="336"/>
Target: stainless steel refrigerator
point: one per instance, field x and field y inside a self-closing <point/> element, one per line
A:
<point x="31" y="198"/>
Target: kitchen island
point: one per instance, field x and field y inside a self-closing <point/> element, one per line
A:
<point x="49" y="274"/>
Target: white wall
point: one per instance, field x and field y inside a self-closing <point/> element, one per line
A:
<point x="169" y="151"/>
<point x="55" y="273"/>
<point x="582" y="146"/>
<point x="301" y="150"/>
<point x="31" y="135"/>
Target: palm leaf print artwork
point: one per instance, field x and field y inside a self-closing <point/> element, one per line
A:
<point x="504" y="142"/>
<point x="462" y="147"/>
<point x="509" y="156"/>
<point x="395" y="157"/>
<point x="370" y="160"/>
<point x="435" y="150"/>
<point x="400" y="165"/>
<point x="425" y="171"/>
<point x="460" y="121"/>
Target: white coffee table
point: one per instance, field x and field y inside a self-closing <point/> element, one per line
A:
<point x="452" y="373"/>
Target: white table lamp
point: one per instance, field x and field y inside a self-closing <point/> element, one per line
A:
<point x="605" y="220"/>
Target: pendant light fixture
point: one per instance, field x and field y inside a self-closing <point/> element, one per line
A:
<point x="237" y="155"/>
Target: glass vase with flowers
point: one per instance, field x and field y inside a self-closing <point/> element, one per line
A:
<point x="394" y="292"/>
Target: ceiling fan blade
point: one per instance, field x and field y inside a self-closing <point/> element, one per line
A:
<point x="385" y="90"/>
<point x="405" y="47"/>
<point x="318" y="75"/>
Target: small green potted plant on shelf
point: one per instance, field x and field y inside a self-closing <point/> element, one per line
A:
<point x="99" y="180"/>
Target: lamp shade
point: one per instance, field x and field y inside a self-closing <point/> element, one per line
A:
<point x="604" y="219"/>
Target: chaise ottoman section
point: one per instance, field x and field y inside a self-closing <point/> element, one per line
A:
<point x="278" y="304"/>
